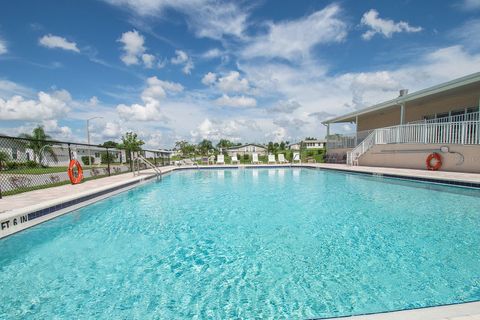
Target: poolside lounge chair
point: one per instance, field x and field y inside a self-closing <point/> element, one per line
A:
<point x="234" y="159"/>
<point x="281" y="158"/>
<point x="255" y="158"/>
<point x="220" y="159"/>
<point x="189" y="162"/>
<point x="296" y="157"/>
<point x="271" y="158"/>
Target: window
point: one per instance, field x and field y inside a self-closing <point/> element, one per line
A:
<point x="14" y="153"/>
<point x="97" y="154"/>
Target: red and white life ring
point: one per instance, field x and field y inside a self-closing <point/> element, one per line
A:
<point x="75" y="178"/>
<point x="437" y="163"/>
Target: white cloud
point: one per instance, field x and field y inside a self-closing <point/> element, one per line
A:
<point x="232" y="82"/>
<point x="467" y="34"/>
<point x="93" y="101"/>
<point x="471" y="4"/>
<point x="9" y="88"/>
<point x="112" y="130"/>
<point x="386" y="27"/>
<point x="51" y="41"/>
<point x="234" y="130"/>
<point x="134" y="50"/>
<point x="209" y="79"/>
<point x="182" y="58"/>
<point x="212" y="53"/>
<point x="46" y="106"/>
<point x="206" y="18"/>
<point x="148" y="60"/>
<point x="3" y="46"/>
<point x="236" y="101"/>
<point x="52" y="127"/>
<point x="151" y="96"/>
<point x="286" y="106"/>
<point x="294" y="39"/>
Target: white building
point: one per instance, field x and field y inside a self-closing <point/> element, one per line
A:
<point x="247" y="149"/>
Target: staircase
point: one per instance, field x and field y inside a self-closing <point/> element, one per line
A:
<point x="359" y="150"/>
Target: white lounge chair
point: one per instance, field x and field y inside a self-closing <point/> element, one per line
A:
<point x="271" y="158"/>
<point x="281" y="158"/>
<point x="220" y="159"/>
<point x="234" y="159"/>
<point x="296" y="157"/>
<point x="255" y="158"/>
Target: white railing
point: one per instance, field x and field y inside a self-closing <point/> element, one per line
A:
<point x="464" y="132"/>
<point x="347" y="141"/>
<point x="472" y="116"/>
<point x="364" y="146"/>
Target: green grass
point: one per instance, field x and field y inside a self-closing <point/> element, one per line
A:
<point x="50" y="185"/>
<point x="35" y="170"/>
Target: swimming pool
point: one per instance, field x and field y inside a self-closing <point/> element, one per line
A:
<point x="249" y="243"/>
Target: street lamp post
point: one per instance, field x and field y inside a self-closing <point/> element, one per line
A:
<point x="88" y="139"/>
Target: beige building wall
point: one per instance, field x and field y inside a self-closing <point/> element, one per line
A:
<point x="417" y="110"/>
<point x="416" y="160"/>
<point x="381" y="119"/>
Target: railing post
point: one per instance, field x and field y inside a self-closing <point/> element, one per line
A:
<point x="108" y="161"/>
<point x="155" y="159"/>
<point x="69" y="153"/>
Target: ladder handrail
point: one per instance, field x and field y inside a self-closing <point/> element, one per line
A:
<point x="139" y="157"/>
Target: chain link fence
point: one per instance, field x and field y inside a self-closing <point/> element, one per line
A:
<point x="28" y="164"/>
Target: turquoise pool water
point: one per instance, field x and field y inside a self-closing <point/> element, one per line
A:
<point x="252" y="243"/>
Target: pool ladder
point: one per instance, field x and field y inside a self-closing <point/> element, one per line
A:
<point x="137" y="159"/>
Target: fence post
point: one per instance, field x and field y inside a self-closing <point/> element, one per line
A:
<point x="155" y="158"/>
<point x="69" y="153"/>
<point x="108" y="161"/>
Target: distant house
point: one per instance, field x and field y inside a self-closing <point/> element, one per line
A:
<point x="295" y="146"/>
<point x="314" y="144"/>
<point x="247" y="149"/>
<point x="307" y="144"/>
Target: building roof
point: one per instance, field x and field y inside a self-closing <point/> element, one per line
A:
<point x="245" y="145"/>
<point x="463" y="81"/>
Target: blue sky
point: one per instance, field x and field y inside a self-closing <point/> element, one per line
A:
<point x="251" y="71"/>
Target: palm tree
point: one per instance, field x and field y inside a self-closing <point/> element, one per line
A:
<point x="38" y="144"/>
<point x="205" y="146"/>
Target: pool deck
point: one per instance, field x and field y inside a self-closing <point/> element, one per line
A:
<point x="95" y="190"/>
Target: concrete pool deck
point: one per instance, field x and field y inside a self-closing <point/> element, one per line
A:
<point x="38" y="201"/>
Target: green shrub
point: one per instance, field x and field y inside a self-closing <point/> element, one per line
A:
<point x="31" y="164"/>
<point x="86" y="160"/>
<point x="12" y="165"/>
<point x="246" y="157"/>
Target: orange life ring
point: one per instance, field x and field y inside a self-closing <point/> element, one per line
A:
<point x="438" y="161"/>
<point x="74" y="179"/>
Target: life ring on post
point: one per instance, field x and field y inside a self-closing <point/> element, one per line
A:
<point x="75" y="178"/>
<point x="437" y="163"/>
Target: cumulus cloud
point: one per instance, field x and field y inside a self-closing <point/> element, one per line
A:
<point x="52" y="127"/>
<point x="236" y="101"/>
<point x="182" y="58"/>
<point x="56" y="42"/>
<point x="386" y="27"/>
<point x="3" y="46"/>
<point x="206" y="18"/>
<point x="134" y="50"/>
<point x="112" y="130"/>
<point x="286" y="106"/>
<point x="233" y="82"/>
<point x="293" y="39"/>
<point x="151" y="96"/>
<point x="234" y="130"/>
<point x="45" y="106"/>
<point x="209" y="79"/>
